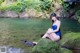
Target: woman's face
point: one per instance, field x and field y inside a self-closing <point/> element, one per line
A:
<point x="54" y="18"/>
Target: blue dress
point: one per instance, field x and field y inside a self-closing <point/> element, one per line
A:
<point x="54" y="27"/>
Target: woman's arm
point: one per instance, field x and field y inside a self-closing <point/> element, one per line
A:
<point x="58" y="26"/>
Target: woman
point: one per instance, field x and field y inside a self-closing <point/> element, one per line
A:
<point x="53" y="33"/>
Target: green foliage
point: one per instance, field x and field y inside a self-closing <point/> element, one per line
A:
<point x="78" y="12"/>
<point x="46" y="46"/>
<point x="34" y="4"/>
<point x="17" y="7"/>
<point x="65" y="6"/>
<point x="1" y="1"/>
<point x="39" y="5"/>
<point x="2" y="5"/>
<point x="21" y="5"/>
<point x="72" y="6"/>
<point x="78" y="15"/>
<point x="45" y="4"/>
<point x="4" y="8"/>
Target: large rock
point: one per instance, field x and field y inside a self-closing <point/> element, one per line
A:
<point x="63" y="50"/>
<point x="9" y="14"/>
<point x="23" y="15"/>
<point x="73" y="45"/>
<point x="28" y="13"/>
<point x="31" y="12"/>
<point x="46" y="46"/>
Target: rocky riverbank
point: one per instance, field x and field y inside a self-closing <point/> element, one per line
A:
<point x="25" y="14"/>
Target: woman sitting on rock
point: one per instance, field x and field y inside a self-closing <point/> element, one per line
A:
<point x="52" y="33"/>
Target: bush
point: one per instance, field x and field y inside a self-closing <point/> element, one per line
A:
<point x="46" y="46"/>
<point x="1" y="1"/>
<point x="17" y="7"/>
<point x="3" y="5"/>
<point x="45" y="4"/>
<point x="21" y="5"/>
<point x="78" y="15"/>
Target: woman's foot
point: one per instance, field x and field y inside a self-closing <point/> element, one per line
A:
<point x="42" y="35"/>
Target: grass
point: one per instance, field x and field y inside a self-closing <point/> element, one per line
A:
<point x="12" y="31"/>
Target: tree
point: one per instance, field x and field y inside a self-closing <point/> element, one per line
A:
<point x="71" y="6"/>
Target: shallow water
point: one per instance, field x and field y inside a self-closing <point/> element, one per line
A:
<point x="8" y="49"/>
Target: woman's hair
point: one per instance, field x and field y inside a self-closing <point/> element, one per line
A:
<point x="52" y="15"/>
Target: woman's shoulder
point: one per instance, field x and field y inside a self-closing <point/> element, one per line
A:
<point x="58" y="21"/>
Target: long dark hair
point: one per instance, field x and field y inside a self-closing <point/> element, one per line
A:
<point x="52" y="15"/>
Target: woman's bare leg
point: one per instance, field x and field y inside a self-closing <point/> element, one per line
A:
<point x="54" y="37"/>
<point x="44" y="36"/>
<point x="51" y="36"/>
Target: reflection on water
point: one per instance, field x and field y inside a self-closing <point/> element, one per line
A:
<point x="8" y="49"/>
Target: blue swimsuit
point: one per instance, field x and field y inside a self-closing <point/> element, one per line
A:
<point x="54" y="27"/>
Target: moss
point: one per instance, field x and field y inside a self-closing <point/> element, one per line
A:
<point x="65" y="50"/>
<point x="46" y="46"/>
<point x="72" y="44"/>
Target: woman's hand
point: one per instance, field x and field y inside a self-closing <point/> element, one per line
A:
<point x="50" y="30"/>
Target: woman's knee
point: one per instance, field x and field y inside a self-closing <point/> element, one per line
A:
<point x="45" y="35"/>
<point x="50" y="29"/>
